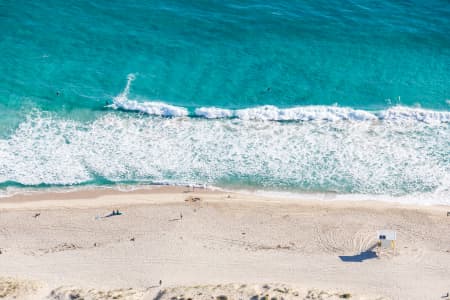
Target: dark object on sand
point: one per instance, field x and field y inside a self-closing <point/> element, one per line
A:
<point x="132" y="239"/>
<point x="448" y="214"/>
<point x="114" y="213"/>
<point x="160" y="282"/>
<point x="192" y="199"/>
<point x="36" y="215"/>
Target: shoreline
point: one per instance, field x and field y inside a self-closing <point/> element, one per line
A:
<point x="95" y="191"/>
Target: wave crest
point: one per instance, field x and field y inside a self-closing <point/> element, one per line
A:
<point x="401" y="113"/>
<point x="156" y="108"/>
<point x="305" y="113"/>
<point x="273" y="113"/>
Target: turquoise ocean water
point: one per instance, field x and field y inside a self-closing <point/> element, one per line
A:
<point x="346" y="97"/>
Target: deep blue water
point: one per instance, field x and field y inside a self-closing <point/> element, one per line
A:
<point x="304" y="96"/>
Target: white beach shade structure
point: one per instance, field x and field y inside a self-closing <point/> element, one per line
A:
<point x="387" y="238"/>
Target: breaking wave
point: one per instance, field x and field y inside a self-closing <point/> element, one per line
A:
<point x="273" y="113"/>
<point x="349" y="152"/>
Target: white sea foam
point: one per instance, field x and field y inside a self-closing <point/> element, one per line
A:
<point x="214" y="113"/>
<point x="273" y="113"/>
<point x="156" y="108"/>
<point x="401" y="113"/>
<point x="305" y="113"/>
<point x="346" y="151"/>
<point x="381" y="158"/>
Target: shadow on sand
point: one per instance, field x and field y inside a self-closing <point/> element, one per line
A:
<point x="368" y="254"/>
<point x="113" y="214"/>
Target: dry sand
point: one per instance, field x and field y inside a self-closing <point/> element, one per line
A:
<point x="220" y="246"/>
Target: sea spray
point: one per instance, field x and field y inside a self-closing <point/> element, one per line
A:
<point x="156" y="108"/>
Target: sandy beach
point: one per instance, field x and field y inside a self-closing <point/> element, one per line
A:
<point x="175" y="243"/>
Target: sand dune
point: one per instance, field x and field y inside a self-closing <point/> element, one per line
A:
<point x="252" y="292"/>
<point x="20" y="289"/>
<point x="13" y="288"/>
<point x="70" y="293"/>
